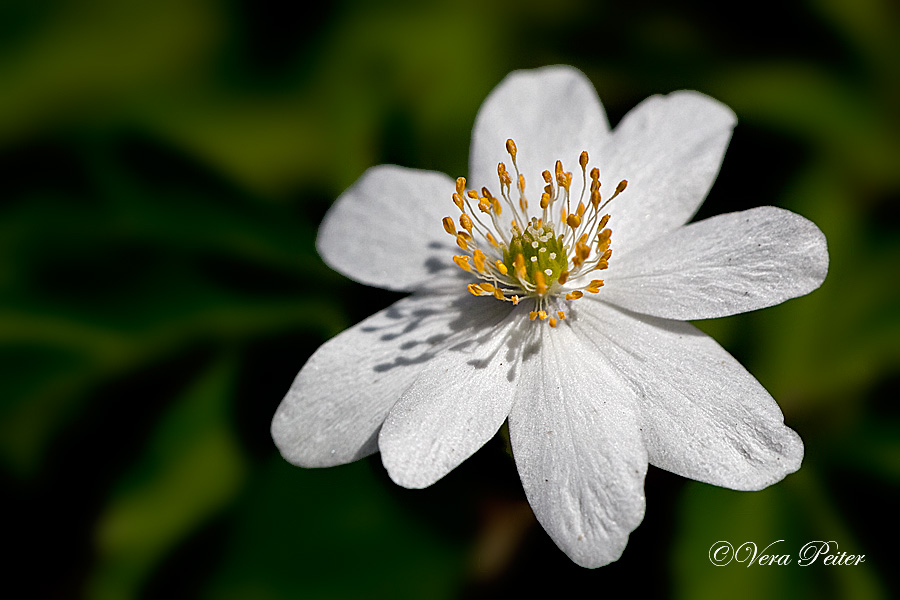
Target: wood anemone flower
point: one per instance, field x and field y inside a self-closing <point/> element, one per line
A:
<point x="555" y="296"/>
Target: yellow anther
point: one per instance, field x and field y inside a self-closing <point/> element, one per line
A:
<point x="501" y="267"/>
<point x="523" y="203"/>
<point x="545" y="200"/>
<point x="521" y="182"/>
<point x="488" y="287"/>
<point x="595" y="174"/>
<point x="465" y="236"/>
<point x="515" y="300"/>
<point x="519" y="263"/>
<point x="594" y="286"/>
<point x="460" y="185"/>
<point x="505" y="179"/>
<point x="461" y="242"/>
<point x="465" y="221"/>
<point x="462" y="262"/>
<point x="449" y="227"/>
<point x="547" y="177"/>
<point x="511" y="148"/>
<point x="496" y="205"/>
<point x="484" y="205"/>
<point x="619" y="188"/>
<point x="499" y="294"/>
<point x="563" y="277"/>
<point x="474" y="289"/>
<point x="562" y="314"/>
<point x="573" y="221"/>
<point x="601" y="264"/>
<point x="603" y="222"/>
<point x="583" y="159"/>
<point x="552" y="322"/>
<point x="532" y="315"/>
<point x="472" y="194"/>
<point x="603" y="236"/>
<point x="562" y="214"/>
<point x="583" y="251"/>
<point x="478" y="259"/>
<point x="542" y="314"/>
<point x="595" y="199"/>
<point x="575" y="295"/>
<point x="492" y="240"/>
<point x="458" y="201"/>
<point x="581" y="209"/>
<point x="540" y="282"/>
<point x="486" y="193"/>
<point x="558" y="169"/>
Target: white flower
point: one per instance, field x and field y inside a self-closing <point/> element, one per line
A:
<point x="597" y="376"/>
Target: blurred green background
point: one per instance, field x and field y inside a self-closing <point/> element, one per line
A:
<point x="164" y="165"/>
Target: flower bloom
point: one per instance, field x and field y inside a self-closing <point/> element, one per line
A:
<point x="551" y="289"/>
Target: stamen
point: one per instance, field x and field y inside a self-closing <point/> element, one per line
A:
<point x="511" y="148"/>
<point x="478" y="259"/>
<point x="534" y="256"/>
<point x="594" y="286"/>
<point x="540" y="282"/>
<point x="449" y="227"/>
<point x="462" y="262"/>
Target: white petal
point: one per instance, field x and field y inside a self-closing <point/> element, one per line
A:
<point x="578" y="449"/>
<point x="669" y="149"/>
<point x="455" y="406"/>
<point x="721" y="266"/>
<point x="337" y="403"/>
<point x="703" y="415"/>
<point x="386" y="231"/>
<point x="551" y="113"/>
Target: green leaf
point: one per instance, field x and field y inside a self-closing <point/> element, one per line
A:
<point x="189" y="471"/>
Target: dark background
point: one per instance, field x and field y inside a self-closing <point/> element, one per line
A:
<point x="164" y="165"/>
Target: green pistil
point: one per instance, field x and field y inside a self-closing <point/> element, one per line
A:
<point x="548" y="245"/>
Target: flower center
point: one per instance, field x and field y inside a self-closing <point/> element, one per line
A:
<point x="536" y="257"/>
